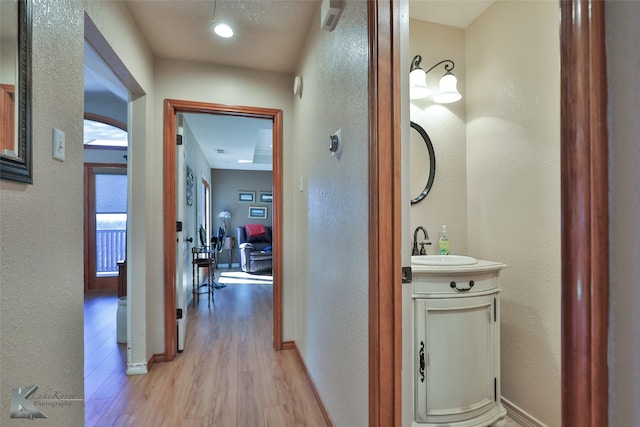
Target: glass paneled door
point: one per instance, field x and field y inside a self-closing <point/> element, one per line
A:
<point x="106" y="225"/>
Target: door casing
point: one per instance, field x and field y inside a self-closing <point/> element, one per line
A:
<point x="171" y="107"/>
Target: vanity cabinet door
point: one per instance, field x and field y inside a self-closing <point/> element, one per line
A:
<point x="455" y="348"/>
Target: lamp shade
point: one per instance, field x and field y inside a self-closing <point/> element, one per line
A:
<point x="418" y="88"/>
<point x="448" y="90"/>
<point x="224" y="215"/>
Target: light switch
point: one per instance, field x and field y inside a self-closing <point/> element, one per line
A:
<point x="58" y="144"/>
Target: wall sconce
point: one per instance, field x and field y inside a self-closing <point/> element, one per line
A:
<point x="418" y="88"/>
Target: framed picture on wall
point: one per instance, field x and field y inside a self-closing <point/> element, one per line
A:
<point x="258" y="212"/>
<point x="266" y="197"/>
<point x="189" y="184"/>
<point x="246" y="196"/>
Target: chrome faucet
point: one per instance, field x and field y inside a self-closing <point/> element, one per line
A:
<point x="414" y="251"/>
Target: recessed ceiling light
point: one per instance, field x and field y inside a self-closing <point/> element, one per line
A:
<point x="221" y="29"/>
<point x="245" y="161"/>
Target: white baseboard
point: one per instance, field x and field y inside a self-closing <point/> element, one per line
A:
<point x="518" y="415"/>
<point x="137" y="368"/>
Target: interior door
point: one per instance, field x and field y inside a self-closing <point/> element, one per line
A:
<point x="182" y="246"/>
<point x="105" y="224"/>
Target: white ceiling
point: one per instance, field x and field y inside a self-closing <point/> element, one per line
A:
<point x="457" y="13"/>
<point x="233" y="142"/>
<point x="270" y="33"/>
<point x="270" y="36"/>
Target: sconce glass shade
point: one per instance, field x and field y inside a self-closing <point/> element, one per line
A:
<point x="448" y="90"/>
<point x="418" y="88"/>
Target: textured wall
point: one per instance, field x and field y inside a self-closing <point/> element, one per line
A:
<point x="624" y="158"/>
<point x="445" y="124"/>
<point x="513" y="176"/>
<point x="330" y="215"/>
<point x="41" y="229"/>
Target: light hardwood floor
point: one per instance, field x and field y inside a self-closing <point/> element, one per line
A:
<point x="229" y="375"/>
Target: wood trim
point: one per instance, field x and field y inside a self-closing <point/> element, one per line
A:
<point x="169" y="229"/>
<point x="156" y="358"/>
<point x="585" y="222"/>
<point x="7" y="117"/>
<point x="291" y="345"/>
<point x="171" y="107"/>
<point x="385" y="203"/>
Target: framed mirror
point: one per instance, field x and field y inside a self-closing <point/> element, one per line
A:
<point x="422" y="163"/>
<point x="15" y="91"/>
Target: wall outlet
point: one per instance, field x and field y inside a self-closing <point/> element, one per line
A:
<point x="58" y="144"/>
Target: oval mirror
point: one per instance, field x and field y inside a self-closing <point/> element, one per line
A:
<point x="422" y="163"/>
<point x="15" y="91"/>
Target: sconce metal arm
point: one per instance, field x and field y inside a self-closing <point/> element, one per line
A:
<point x="449" y="65"/>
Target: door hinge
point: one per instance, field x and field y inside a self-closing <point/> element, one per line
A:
<point x="178" y="314"/>
<point x="407" y="275"/>
<point x="178" y="139"/>
<point x="178" y="226"/>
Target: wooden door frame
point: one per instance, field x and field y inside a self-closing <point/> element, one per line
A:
<point x="171" y="107"/>
<point x="584" y="212"/>
<point x="385" y="214"/>
<point x="89" y="215"/>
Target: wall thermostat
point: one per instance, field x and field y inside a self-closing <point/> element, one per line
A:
<point x="335" y="143"/>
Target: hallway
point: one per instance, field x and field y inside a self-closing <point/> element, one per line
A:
<point x="229" y="375"/>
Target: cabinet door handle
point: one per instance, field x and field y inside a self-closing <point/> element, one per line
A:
<point x="421" y="354"/>
<point x="454" y="285"/>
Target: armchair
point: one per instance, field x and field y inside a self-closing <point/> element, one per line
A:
<point x="254" y="243"/>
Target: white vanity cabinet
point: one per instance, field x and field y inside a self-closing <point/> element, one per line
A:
<point x="456" y="343"/>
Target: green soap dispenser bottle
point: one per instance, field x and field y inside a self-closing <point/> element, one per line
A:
<point x="445" y="245"/>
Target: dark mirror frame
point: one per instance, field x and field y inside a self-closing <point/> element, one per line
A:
<point x="20" y="168"/>
<point x="432" y="163"/>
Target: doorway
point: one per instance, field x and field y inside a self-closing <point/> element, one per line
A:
<point x="171" y="109"/>
<point x="105" y="224"/>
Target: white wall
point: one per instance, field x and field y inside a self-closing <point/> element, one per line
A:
<point x="41" y="229"/>
<point x="222" y="85"/>
<point x="513" y="185"/>
<point x="330" y="215"/>
<point x="120" y="43"/>
<point x="192" y="219"/>
<point x="224" y="196"/>
<point x="8" y="61"/>
<point x="445" y="124"/>
<point x="624" y="158"/>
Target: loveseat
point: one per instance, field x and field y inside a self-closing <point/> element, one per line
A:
<point x="255" y="245"/>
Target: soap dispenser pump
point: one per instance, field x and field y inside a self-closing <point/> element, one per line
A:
<point x="445" y="245"/>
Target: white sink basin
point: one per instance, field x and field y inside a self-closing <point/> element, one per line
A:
<point x="444" y="260"/>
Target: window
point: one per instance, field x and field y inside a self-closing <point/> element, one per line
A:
<point x="98" y="133"/>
